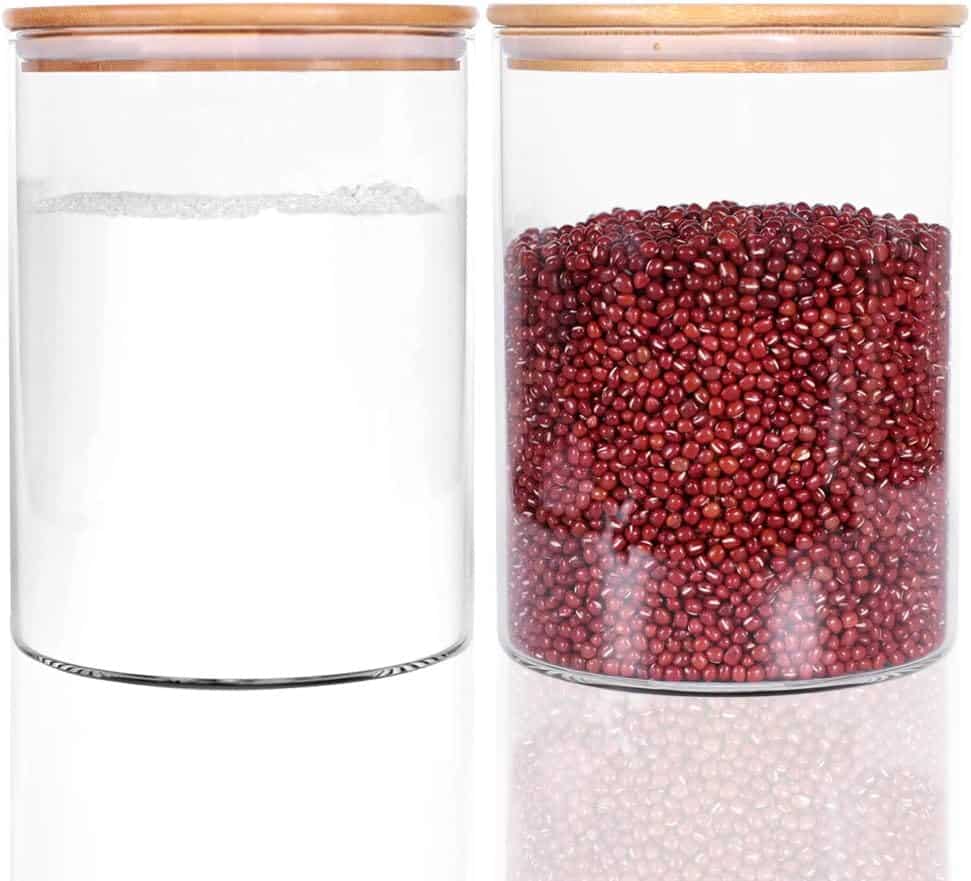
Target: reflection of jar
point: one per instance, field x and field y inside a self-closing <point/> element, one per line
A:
<point x="238" y="338"/>
<point x="726" y="420"/>
<point x="846" y="785"/>
<point x="272" y="784"/>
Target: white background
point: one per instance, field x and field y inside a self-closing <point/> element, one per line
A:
<point x="489" y="667"/>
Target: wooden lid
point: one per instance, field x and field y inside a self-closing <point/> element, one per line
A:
<point x="726" y="16"/>
<point x="242" y="15"/>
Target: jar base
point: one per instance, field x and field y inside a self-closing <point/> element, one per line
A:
<point x="723" y="689"/>
<point x="242" y="684"/>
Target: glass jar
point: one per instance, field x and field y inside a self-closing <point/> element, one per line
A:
<point x="238" y="340"/>
<point x="726" y="241"/>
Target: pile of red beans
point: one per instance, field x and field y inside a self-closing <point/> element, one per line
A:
<point x="726" y="431"/>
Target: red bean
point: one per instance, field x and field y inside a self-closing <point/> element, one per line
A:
<point x="726" y="436"/>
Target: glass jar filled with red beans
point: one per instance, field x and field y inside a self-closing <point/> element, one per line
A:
<point x="724" y="355"/>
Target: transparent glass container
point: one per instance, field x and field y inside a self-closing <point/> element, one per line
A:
<point x="725" y="279"/>
<point x="238" y="340"/>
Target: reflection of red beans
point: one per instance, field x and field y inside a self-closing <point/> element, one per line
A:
<point x="726" y="433"/>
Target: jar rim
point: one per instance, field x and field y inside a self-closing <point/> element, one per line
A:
<point x="729" y="15"/>
<point x="242" y="15"/>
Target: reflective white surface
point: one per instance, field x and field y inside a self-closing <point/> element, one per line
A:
<point x="363" y="781"/>
<point x="371" y="781"/>
<point x="846" y="785"/>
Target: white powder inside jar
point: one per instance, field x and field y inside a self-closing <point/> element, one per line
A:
<point x="241" y="442"/>
<point x="380" y="198"/>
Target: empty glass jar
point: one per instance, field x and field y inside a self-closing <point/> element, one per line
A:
<point x="238" y="340"/>
<point x="726" y="261"/>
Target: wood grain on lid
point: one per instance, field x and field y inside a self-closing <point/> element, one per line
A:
<point x="222" y="65"/>
<point x="242" y="15"/>
<point x="824" y="66"/>
<point x="727" y="16"/>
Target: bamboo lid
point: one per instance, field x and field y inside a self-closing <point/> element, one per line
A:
<point x="727" y="16"/>
<point x="242" y="16"/>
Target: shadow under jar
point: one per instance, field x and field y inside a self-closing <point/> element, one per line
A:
<point x="238" y="340"/>
<point x="725" y="305"/>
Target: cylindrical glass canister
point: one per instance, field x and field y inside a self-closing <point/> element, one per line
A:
<point x="724" y="348"/>
<point x="238" y="340"/>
